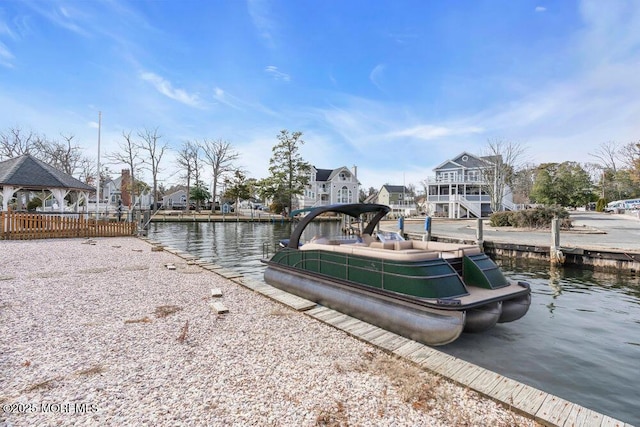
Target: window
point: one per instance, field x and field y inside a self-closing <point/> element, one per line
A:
<point x="345" y="195"/>
<point x="473" y="176"/>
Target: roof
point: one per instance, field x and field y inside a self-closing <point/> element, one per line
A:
<point x="395" y="188"/>
<point x="465" y="160"/>
<point x="323" y="174"/>
<point x="30" y="173"/>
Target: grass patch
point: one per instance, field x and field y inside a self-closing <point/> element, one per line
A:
<point x="94" y="270"/>
<point x="415" y="386"/>
<point x="333" y="417"/>
<point x="166" y="310"/>
<point x="135" y="267"/>
<point x="94" y="370"/>
<point x="44" y="385"/>
<point x="145" y="319"/>
<point x="183" y="332"/>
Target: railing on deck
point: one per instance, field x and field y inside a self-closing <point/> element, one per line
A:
<point x="25" y="225"/>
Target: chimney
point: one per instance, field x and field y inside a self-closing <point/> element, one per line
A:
<point x="125" y="187"/>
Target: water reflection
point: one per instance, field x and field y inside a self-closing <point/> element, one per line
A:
<point x="580" y="339"/>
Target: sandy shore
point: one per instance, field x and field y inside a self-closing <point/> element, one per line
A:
<point x="105" y="334"/>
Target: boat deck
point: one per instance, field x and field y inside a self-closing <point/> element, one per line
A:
<point x="405" y="250"/>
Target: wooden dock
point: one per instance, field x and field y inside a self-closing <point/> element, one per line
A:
<point x="545" y="408"/>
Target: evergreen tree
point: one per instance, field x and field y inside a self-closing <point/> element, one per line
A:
<point x="289" y="172"/>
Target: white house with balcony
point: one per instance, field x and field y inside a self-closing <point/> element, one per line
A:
<point x="459" y="188"/>
<point x="329" y="186"/>
<point x="399" y="199"/>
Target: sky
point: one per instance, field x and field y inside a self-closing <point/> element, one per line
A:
<point x="393" y="87"/>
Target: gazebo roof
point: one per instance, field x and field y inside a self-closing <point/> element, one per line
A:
<point x="29" y="173"/>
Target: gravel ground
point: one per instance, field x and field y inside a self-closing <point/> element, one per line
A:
<point x="102" y="333"/>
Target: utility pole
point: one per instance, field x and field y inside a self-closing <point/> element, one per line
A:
<point x="98" y="171"/>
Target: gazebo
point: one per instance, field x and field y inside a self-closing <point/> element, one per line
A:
<point x="28" y="174"/>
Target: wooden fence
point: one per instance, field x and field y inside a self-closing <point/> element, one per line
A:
<point x="24" y="225"/>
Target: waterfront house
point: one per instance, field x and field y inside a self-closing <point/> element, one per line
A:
<point x="119" y="189"/>
<point x="175" y="200"/>
<point x="399" y="198"/>
<point x="462" y="187"/>
<point x="329" y="186"/>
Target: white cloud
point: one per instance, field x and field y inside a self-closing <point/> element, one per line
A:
<point x="541" y="9"/>
<point x="222" y="97"/>
<point x="6" y="56"/>
<point x="166" y="88"/>
<point x="262" y="20"/>
<point x="376" y="75"/>
<point x="429" y="132"/>
<point x="276" y="73"/>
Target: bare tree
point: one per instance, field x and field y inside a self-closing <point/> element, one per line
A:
<point x="154" y="152"/>
<point x="16" y="142"/>
<point x="629" y="154"/>
<point x="129" y="154"/>
<point x="503" y="161"/>
<point x="220" y="155"/>
<point x="63" y="156"/>
<point x="608" y="153"/>
<point x="87" y="172"/>
<point x="186" y="160"/>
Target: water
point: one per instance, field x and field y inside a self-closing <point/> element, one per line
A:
<point x="580" y="339"/>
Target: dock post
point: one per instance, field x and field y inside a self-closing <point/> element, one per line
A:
<point x="555" y="254"/>
<point x="427" y="228"/>
<point x="479" y="233"/>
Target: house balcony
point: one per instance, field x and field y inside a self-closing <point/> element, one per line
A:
<point x="448" y="198"/>
<point x="456" y="180"/>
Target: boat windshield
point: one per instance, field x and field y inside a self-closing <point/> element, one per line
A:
<point x="389" y="236"/>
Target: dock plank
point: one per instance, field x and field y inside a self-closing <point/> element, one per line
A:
<point x="336" y="320"/>
<point x="506" y="390"/>
<point x="422" y="354"/>
<point x="228" y="274"/>
<point x="394" y="342"/>
<point x="529" y="400"/>
<point x="347" y="323"/>
<point x="554" y="410"/>
<point x="408" y="348"/>
<point x="372" y="333"/>
<point x="436" y="361"/>
<point x="295" y="302"/>
<point x="364" y="331"/>
<point x="328" y="315"/>
<point x="579" y="416"/>
<point x="486" y="381"/>
<point x="314" y="312"/>
<point x="608" y="421"/>
<point x="462" y="372"/>
<point x="355" y="327"/>
<point x="250" y="283"/>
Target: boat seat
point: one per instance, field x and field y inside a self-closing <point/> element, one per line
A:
<point x="403" y="244"/>
<point x="381" y="245"/>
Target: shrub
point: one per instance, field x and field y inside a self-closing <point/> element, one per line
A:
<point x="33" y="204"/>
<point x="601" y="204"/>
<point x="500" y="219"/>
<point x="539" y="217"/>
